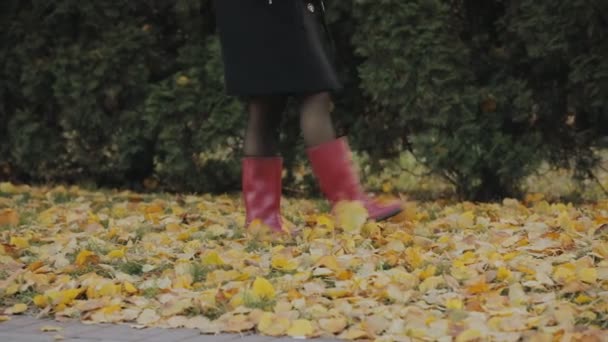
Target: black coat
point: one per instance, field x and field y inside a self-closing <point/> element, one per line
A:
<point x="275" y="47"/>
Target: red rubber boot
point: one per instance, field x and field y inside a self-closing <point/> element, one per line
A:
<point x="333" y="167"/>
<point x="262" y="190"/>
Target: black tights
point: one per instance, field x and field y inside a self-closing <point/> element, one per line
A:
<point x="266" y="112"/>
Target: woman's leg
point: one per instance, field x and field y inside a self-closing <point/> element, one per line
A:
<point x="262" y="168"/>
<point x="315" y="119"/>
<point x="262" y="134"/>
<point x="331" y="158"/>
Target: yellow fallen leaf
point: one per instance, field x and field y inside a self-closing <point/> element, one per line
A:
<point x="263" y="289"/>
<point x="351" y="216"/>
<point x="117" y="253"/>
<point x="387" y="186"/>
<point x="333" y="325"/>
<point x="517" y="295"/>
<point x="565" y="273"/>
<point x="9" y="217"/>
<point x="183" y="236"/>
<point x="212" y="259"/>
<point x="300" y="328"/>
<point x="147" y="317"/>
<point x="588" y="275"/>
<point x="428" y="272"/>
<point x="478" y="287"/>
<point x="129" y="288"/>
<point x="469" y="335"/>
<point x="325" y="220"/>
<point x="4" y="318"/>
<point x="413" y="256"/>
<point x="238" y="323"/>
<point x="40" y="301"/>
<point x="110" y="309"/>
<point x="466" y="220"/>
<point x="454" y="304"/>
<point x="20" y="242"/>
<point x="16" y="309"/>
<point x="430" y="283"/>
<point x="280" y="262"/>
<point x="582" y="299"/>
<point x="9" y="188"/>
<point x="84" y="257"/>
<point x="273" y="325"/>
<point x="64" y="297"/>
<point x="50" y="328"/>
<point x="503" y="273"/>
<point x="356" y="333"/>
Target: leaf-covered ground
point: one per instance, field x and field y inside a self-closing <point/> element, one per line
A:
<point x="440" y="271"/>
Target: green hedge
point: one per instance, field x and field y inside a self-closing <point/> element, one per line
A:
<point x="117" y="92"/>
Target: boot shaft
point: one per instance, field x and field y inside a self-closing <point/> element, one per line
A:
<point x="261" y="181"/>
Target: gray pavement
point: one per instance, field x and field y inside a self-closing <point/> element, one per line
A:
<point x="29" y="329"/>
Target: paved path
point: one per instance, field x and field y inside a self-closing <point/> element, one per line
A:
<point x="28" y="329"/>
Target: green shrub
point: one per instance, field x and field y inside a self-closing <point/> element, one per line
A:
<point x="480" y="92"/>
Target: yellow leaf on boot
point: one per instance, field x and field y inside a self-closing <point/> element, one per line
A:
<point x="351" y="216"/>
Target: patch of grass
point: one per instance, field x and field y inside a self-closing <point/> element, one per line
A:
<point x="199" y="272"/>
<point x="254" y="245"/>
<point x="383" y="266"/>
<point x="4" y="274"/>
<point x="252" y="302"/>
<point x="5" y="227"/>
<point x="25" y="296"/>
<point x="28" y="254"/>
<point x="27" y="218"/>
<point x="238" y="232"/>
<point x="323" y="206"/>
<point x="100" y="271"/>
<point x="160" y="269"/>
<point x="131" y="267"/>
<point x="140" y="232"/>
<point x="215" y="313"/>
<point x="274" y="273"/>
<point x="193" y="311"/>
<point x="600" y="321"/>
<point x="151" y="292"/>
<point x="23" y="198"/>
<point x="96" y="248"/>
<point x="62" y="197"/>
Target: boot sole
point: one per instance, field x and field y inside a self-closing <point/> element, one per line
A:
<point x="389" y="215"/>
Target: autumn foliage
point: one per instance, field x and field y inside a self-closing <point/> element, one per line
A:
<point x="439" y="271"/>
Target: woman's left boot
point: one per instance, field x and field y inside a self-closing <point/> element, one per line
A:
<point x="334" y="169"/>
<point x="262" y="191"/>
